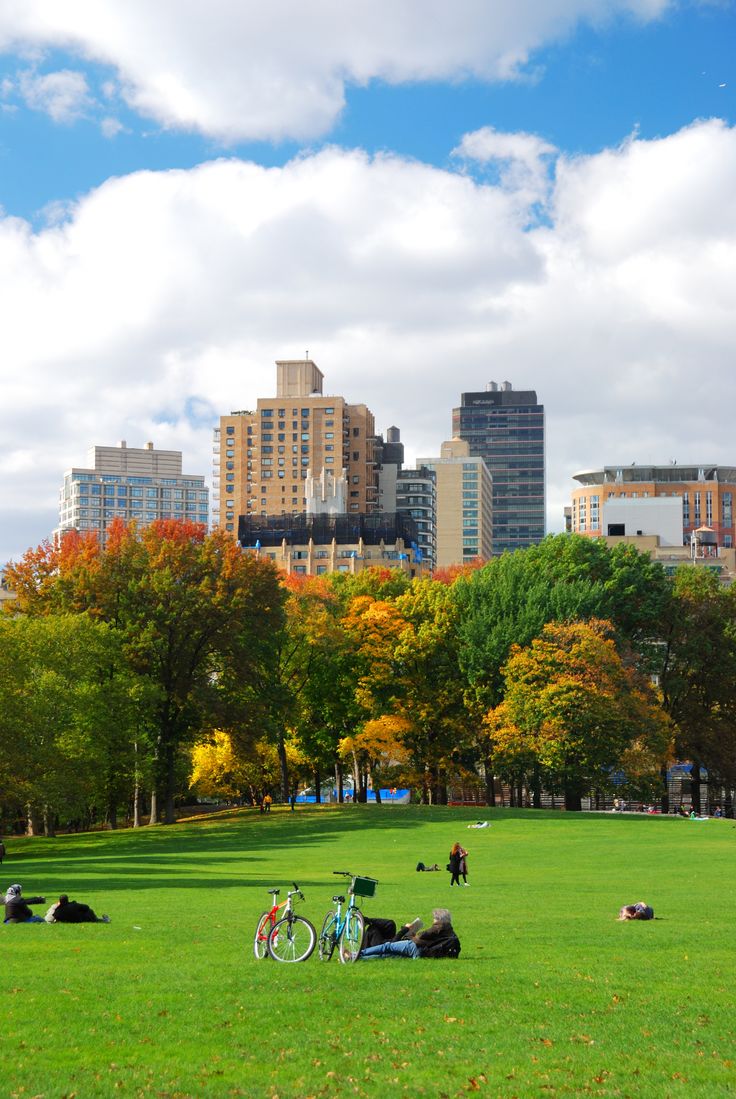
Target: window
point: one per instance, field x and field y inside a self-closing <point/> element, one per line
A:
<point x="356" y="455"/>
<point x="231" y="430"/>
<point x="229" y="488"/>
<point x="356" y="432"/>
<point x="329" y="412"/>
<point x="267" y="412"/>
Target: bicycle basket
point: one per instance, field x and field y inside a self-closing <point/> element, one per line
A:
<point x="363" y="887"/>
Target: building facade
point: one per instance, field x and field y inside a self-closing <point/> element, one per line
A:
<point x="262" y="456"/>
<point x="133" y="484"/>
<point x="464" y="505"/>
<point x="668" y="501"/>
<point x="505" y="427"/>
<point x="408" y="491"/>
<point x="315" y="544"/>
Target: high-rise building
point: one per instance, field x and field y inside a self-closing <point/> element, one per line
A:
<point x="416" y="496"/>
<point x="505" y="427"/>
<point x="130" y="483"/>
<point x="262" y="456"/>
<point x="407" y="491"/>
<point x="464" y="504"/>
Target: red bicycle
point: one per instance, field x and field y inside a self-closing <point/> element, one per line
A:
<point x="290" y="938"/>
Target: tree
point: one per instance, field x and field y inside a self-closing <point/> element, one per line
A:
<point x="576" y="711"/>
<point x="566" y="578"/>
<point x="65" y="723"/>
<point x="698" y="676"/>
<point x="407" y="668"/>
<point x="196" y="618"/>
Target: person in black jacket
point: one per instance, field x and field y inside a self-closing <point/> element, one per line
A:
<point x="67" y="911"/>
<point x="16" y="906"/>
<point x="437" y="941"/>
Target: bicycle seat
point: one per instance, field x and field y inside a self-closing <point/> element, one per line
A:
<point x="340" y="899"/>
<point x="275" y="892"/>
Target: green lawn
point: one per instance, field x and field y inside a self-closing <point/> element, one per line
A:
<point x="551" y="995"/>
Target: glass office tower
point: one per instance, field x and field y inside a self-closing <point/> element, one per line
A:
<point x="505" y="427"/>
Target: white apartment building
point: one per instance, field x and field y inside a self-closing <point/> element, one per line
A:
<point x="130" y="483"/>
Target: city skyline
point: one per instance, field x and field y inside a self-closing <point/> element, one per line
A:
<point x="540" y="193"/>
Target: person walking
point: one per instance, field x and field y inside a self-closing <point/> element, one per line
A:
<point x="2" y="850"/>
<point x="458" y="864"/>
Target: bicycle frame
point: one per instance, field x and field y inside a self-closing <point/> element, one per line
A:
<point x="334" y="930"/>
<point x="264" y="929"/>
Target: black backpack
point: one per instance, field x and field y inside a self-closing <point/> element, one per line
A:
<point x="448" y="947"/>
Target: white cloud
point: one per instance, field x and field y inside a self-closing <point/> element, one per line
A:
<point x="161" y="295"/>
<point x="522" y="160"/>
<point x="63" y="95"/>
<point x="111" y="127"/>
<point x="248" y="69"/>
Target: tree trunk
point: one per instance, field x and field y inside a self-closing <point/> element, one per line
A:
<point x="338" y="782"/>
<point x="153" y="817"/>
<point x="136" y="803"/>
<point x="536" y="789"/>
<point x="665" y="799"/>
<point x="317" y="786"/>
<point x="48" y="822"/>
<point x="33" y="823"/>
<point x="170" y="756"/>
<point x="284" y="767"/>
<point x="490" y="784"/>
<point x="695" y="786"/>
<point x="112" y="814"/>
<point x="573" y="797"/>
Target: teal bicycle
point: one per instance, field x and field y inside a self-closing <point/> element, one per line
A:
<point x="344" y="930"/>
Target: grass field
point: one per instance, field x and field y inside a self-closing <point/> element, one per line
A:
<point x="551" y="995"/>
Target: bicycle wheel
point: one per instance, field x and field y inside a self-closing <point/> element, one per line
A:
<point x="327" y="937"/>
<point x="292" y="939"/>
<point x="351" y="939"/>
<point x="260" y="941"/>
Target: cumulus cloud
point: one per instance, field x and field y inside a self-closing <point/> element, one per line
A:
<point x="238" y="69"/>
<point x="63" y="95"/>
<point x="160" y="298"/>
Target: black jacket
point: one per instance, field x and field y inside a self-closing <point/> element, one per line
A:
<point x="18" y="909"/>
<point x="74" y="912"/>
<point x="438" y="941"/>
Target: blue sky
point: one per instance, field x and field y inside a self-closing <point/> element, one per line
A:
<point x="539" y="189"/>
<point x="590" y="90"/>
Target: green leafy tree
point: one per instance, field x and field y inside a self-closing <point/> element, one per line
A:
<point x="65" y="721"/>
<point x="698" y="677"/>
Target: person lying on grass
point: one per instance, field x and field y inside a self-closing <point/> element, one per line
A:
<point x="437" y="941"/>
<point x="639" y="911"/>
<point x="16" y="906"/>
<point x="66" y="911"/>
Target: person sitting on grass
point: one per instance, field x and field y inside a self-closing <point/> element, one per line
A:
<point x="421" y="868"/>
<point x="66" y="911"/>
<point x="16" y="906"/>
<point x="437" y="941"/>
<point x="639" y="911"/>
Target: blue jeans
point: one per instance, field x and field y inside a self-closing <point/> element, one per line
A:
<point x="405" y="948"/>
